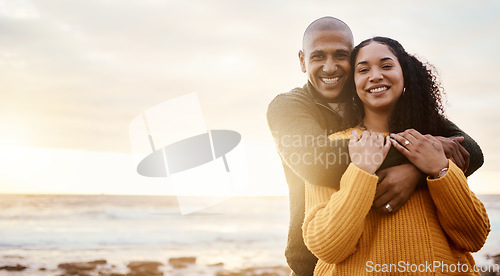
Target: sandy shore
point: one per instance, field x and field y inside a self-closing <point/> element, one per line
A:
<point x="173" y="266"/>
<point x="179" y="266"/>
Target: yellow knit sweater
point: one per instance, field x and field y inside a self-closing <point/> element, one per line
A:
<point x="432" y="234"/>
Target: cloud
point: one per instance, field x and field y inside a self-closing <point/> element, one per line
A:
<point x="75" y="73"/>
<point x="81" y="70"/>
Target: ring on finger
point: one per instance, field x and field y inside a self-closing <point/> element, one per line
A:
<point x="388" y="208"/>
<point x="407" y="142"/>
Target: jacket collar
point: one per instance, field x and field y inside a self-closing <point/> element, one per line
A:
<point x="318" y="99"/>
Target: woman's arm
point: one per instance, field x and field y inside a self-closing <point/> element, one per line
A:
<point x="461" y="214"/>
<point x="334" y="220"/>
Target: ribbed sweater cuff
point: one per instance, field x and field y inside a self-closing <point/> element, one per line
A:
<point x="358" y="181"/>
<point x="452" y="183"/>
<point x="357" y="187"/>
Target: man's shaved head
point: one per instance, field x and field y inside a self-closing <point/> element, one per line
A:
<point x="326" y="47"/>
<point x="325" y="24"/>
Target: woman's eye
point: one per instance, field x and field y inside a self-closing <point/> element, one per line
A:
<point x="387" y="66"/>
<point x="363" y="70"/>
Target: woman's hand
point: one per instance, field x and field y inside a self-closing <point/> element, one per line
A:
<point x="368" y="151"/>
<point x="424" y="151"/>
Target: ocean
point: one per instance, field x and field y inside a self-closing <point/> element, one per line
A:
<point x="42" y="231"/>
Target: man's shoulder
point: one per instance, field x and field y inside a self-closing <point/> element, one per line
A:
<point x="296" y="96"/>
<point x="297" y="93"/>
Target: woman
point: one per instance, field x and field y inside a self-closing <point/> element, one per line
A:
<point x="442" y="222"/>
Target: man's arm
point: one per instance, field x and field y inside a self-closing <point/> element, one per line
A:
<point x="395" y="186"/>
<point x="303" y="143"/>
<point x="476" y="159"/>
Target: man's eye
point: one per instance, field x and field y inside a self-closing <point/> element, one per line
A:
<point x="342" y="56"/>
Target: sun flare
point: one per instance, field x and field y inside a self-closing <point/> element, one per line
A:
<point x="14" y="133"/>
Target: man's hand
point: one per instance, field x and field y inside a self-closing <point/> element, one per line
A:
<point x="396" y="185"/>
<point x="455" y="151"/>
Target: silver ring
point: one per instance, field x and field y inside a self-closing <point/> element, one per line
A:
<point x="407" y="142"/>
<point x="388" y="207"/>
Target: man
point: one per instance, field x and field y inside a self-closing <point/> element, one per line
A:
<point x="301" y="120"/>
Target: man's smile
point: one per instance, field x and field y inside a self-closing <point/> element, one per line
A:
<point x="331" y="80"/>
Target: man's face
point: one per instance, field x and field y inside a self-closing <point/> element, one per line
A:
<point x="325" y="60"/>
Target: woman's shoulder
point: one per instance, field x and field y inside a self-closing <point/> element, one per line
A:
<point x="344" y="134"/>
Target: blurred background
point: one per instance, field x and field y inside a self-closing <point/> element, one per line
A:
<point x="74" y="74"/>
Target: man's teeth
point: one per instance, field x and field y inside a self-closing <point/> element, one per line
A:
<point x="331" y="80"/>
<point x="380" y="89"/>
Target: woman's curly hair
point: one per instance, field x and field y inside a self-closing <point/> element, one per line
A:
<point x="419" y="107"/>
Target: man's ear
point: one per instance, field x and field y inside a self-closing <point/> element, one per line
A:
<point x="302" y="61"/>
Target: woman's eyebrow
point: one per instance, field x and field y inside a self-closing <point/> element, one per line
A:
<point x="366" y="62"/>
<point x="362" y="62"/>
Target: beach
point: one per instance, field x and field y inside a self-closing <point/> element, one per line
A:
<point x="117" y="235"/>
<point x="147" y="235"/>
<point x="174" y="266"/>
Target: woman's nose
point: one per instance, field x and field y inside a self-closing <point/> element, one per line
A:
<point x="375" y="75"/>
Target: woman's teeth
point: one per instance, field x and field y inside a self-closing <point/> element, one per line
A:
<point x="380" y="89"/>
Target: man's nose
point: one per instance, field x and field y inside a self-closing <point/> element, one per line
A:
<point x="330" y="66"/>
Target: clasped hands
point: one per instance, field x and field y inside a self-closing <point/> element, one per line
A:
<point x="428" y="156"/>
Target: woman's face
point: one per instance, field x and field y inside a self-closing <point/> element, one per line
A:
<point x="378" y="77"/>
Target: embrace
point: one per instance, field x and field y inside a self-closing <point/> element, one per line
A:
<point x="400" y="198"/>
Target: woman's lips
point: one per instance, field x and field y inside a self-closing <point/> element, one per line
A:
<point x="378" y="89"/>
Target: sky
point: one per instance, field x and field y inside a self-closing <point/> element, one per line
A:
<point x="75" y="74"/>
